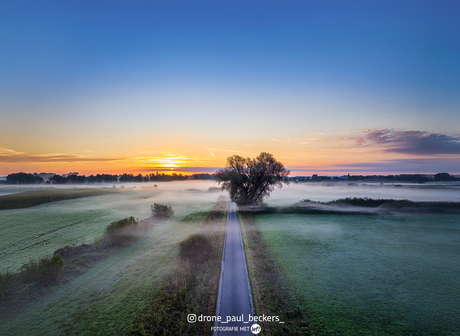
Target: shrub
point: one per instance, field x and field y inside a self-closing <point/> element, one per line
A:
<point x="114" y="227"/>
<point x="7" y="282"/>
<point x="118" y="233"/>
<point x="31" y="270"/>
<point x="50" y="269"/>
<point x="196" y="248"/>
<point x="161" y="210"/>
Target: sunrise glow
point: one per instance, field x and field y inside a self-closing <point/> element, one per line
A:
<point x="325" y="89"/>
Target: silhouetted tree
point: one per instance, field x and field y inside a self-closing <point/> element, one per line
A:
<point x="23" y="178"/>
<point x="58" y="179"/>
<point x="444" y="177"/>
<point x="250" y="180"/>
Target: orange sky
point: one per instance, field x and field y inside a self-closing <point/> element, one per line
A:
<point x="138" y="88"/>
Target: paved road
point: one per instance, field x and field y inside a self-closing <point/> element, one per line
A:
<point x="235" y="298"/>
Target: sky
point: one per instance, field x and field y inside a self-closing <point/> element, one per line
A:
<point x="327" y="87"/>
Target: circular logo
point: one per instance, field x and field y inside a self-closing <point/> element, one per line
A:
<point x="191" y="318"/>
<point x="255" y="329"/>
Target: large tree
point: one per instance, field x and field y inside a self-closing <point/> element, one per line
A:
<point x="248" y="180"/>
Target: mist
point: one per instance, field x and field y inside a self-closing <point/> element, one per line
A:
<point x="296" y="192"/>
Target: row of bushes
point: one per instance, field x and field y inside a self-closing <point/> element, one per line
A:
<point x="46" y="271"/>
<point x="364" y="202"/>
<point x="42" y="272"/>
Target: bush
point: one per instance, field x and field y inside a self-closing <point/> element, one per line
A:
<point x="7" y="282"/>
<point x="30" y="271"/>
<point x="115" y="227"/>
<point x="50" y="269"/>
<point x="196" y="248"/>
<point x="118" y="232"/>
<point x="161" y="210"/>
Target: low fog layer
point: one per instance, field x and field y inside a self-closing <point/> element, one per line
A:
<point x="296" y="192"/>
<point x="38" y="231"/>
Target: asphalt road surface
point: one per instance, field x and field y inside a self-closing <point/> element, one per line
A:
<point x="234" y="303"/>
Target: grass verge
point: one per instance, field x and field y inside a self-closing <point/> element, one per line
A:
<point x="192" y="287"/>
<point x="266" y="284"/>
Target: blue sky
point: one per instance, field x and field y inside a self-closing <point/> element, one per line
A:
<point x="75" y="74"/>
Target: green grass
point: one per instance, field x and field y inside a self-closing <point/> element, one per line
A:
<point x="193" y="285"/>
<point x="270" y="298"/>
<point x="102" y="301"/>
<point x="38" y="231"/>
<point x="367" y="275"/>
<point x="32" y="198"/>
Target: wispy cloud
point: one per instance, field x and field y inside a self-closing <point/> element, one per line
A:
<point x="228" y="150"/>
<point x="396" y="166"/>
<point x="164" y="159"/>
<point x="411" y="142"/>
<point x="422" y="165"/>
<point x="12" y="156"/>
<point x="185" y="169"/>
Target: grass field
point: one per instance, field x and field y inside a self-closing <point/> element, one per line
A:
<point x="104" y="299"/>
<point x="368" y="275"/>
<point x="27" y="199"/>
<point x="38" y="231"/>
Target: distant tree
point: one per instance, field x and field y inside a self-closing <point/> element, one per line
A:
<point x="23" y="178"/>
<point x="248" y="180"/>
<point x="127" y="178"/>
<point x="75" y="178"/>
<point x="444" y="177"/>
<point x="58" y="179"/>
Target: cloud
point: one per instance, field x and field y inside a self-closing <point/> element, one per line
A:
<point x="12" y="156"/>
<point x="411" y="142"/>
<point x="185" y="169"/>
<point x="167" y="160"/>
<point x="407" y="165"/>
<point x="397" y="166"/>
<point x="228" y="150"/>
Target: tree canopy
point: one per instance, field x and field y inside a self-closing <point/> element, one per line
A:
<point x="248" y="180"/>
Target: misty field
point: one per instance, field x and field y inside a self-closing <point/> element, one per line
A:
<point x="38" y="231"/>
<point x="370" y="275"/>
<point x="105" y="297"/>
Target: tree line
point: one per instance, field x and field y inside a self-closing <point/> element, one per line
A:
<point x="413" y="178"/>
<point x="75" y="178"/>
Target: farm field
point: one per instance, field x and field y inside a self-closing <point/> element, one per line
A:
<point x="104" y="298"/>
<point x="324" y="192"/>
<point x="370" y="275"/>
<point x="38" y="231"/>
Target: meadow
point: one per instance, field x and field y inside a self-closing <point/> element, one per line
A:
<point x="104" y="299"/>
<point x="38" y="231"/>
<point x="349" y="275"/>
<point x="369" y="275"/>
